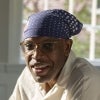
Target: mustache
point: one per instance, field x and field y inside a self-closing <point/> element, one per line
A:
<point x="40" y="65"/>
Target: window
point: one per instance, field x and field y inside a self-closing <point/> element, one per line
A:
<point x="98" y="4"/>
<point x="87" y="42"/>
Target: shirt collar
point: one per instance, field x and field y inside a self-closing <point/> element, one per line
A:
<point x="65" y="73"/>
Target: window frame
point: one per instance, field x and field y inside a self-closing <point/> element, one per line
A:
<point x="15" y="29"/>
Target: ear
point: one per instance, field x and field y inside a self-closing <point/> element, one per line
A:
<point x="67" y="46"/>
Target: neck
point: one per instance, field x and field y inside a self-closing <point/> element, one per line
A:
<point x="49" y="85"/>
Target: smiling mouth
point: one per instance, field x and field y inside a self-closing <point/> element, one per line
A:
<point x="40" y="69"/>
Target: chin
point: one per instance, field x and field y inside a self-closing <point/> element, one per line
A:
<point x="42" y="79"/>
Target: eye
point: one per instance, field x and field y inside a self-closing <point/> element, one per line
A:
<point x="47" y="47"/>
<point x="28" y="46"/>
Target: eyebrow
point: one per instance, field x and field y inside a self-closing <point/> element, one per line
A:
<point x="44" y="41"/>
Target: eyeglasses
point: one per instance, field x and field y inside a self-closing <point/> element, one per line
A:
<point x="45" y="47"/>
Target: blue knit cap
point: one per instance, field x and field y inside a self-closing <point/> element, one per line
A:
<point x="52" y="23"/>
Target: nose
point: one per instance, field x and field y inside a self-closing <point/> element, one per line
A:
<point x="37" y="54"/>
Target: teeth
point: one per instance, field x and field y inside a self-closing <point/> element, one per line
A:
<point x="41" y="66"/>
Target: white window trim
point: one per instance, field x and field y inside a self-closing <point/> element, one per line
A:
<point x="92" y="59"/>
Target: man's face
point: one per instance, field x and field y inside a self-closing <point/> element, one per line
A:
<point x="46" y="56"/>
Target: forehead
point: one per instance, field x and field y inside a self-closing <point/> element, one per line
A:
<point x="42" y="39"/>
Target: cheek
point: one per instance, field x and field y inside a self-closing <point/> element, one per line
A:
<point x="58" y="58"/>
<point x="27" y="59"/>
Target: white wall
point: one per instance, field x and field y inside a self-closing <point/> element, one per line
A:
<point x="10" y="29"/>
<point x="4" y="19"/>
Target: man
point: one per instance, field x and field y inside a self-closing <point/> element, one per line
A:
<point x="52" y="71"/>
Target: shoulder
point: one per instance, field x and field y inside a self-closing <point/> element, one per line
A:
<point x="25" y="77"/>
<point x="90" y="80"/>
<point x="85" y="67"/>
<point x="85" y="79"/>
<point x="25" y="85"/>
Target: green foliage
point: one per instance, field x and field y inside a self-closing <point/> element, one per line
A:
<point x="84" y="15"/>
<point x="66" y="4"/>
<point x="81" y="47"/>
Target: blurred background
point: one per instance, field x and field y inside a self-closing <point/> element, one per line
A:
<point x="13" y="17"/>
